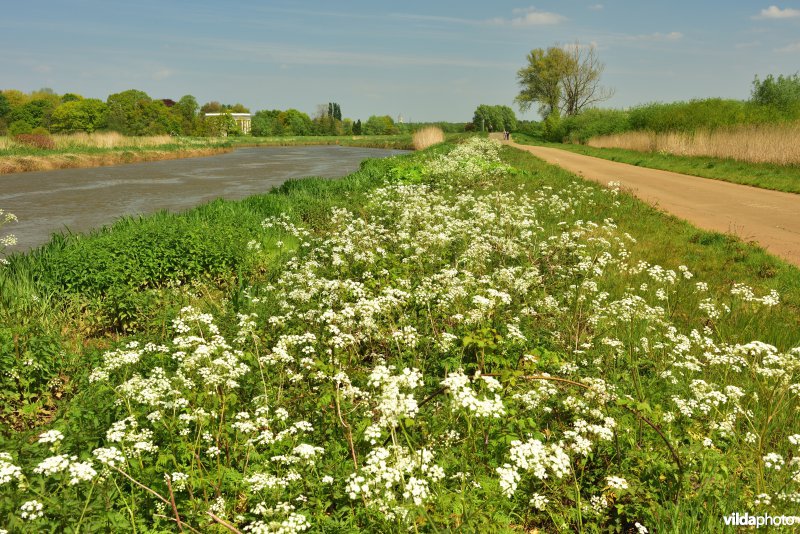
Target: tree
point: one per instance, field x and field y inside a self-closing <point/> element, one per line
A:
<point x="125" y="111"/>
<point x="35" y="112"/>
<point x="295" y="122"/>
<point x="357" y="127"/>
<point x="266" y="123"/>
<point x="383" y="125"/>
<point x="211" y="107"/>
<point x="494" y="118"/>
<point x="562" y="79"/>
<point x="782" y="92"/>
<point x="5" y="107"/>
<point x="186" y="111"/>
<point x="86" y="115"/>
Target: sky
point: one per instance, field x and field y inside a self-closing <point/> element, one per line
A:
<point x="425" y="60"/>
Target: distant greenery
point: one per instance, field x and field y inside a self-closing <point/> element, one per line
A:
<point x="494" y="118"/>
<point x="773" y="100"/>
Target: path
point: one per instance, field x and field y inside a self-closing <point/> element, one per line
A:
<point x="770" y="218"/>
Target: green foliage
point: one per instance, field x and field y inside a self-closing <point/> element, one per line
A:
<point x="19" y="127"/>
<point x="186" y="108"/>
<point x="370" y="309"/>
<point x="379" y="125"/>
<point x="84" y="115"/>
<point x="494" y="118"/>
<point x="36" y="112"/>
<point x="562" y="78"/>
<point x="782" y="93"/>
<point x="133" y="112"/>
<point x="591" y="123"/>
<point x="5" y="107"/>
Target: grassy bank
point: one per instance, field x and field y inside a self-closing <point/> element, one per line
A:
<point x="764" y="175"/>
<point x="459" y="339"/>
<point x="101" y="149"/>
<point x="400" y="141"/>
<point x="97" y="150"/>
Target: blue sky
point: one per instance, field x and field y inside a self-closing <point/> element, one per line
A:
<point x="426" y="60"/>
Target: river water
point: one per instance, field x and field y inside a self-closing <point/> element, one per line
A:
<point x="78" y="200"/>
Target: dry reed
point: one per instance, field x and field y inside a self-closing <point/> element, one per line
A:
<point x="427" y="137"/>
<point x="767" y="143"/>
<point x="12" y="164"/>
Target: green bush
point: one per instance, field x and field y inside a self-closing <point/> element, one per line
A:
<point x="591" y="123"/>
<point x="19" y="127"/>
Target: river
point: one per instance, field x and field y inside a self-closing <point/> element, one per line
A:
<point x="78" y="200"/>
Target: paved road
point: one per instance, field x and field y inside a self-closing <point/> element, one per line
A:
<point x="771" y="218"/>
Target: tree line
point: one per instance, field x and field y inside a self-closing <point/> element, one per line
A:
<point x="135" y="113"/>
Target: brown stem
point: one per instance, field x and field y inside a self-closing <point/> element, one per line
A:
<point x="348" y="430"/>
<point x="224" y="523"/>
<point x="156" y="495"/>
<point x="172" y="502"/>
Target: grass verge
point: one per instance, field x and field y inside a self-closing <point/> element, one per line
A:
<point x="784" y="178"/>
<point x="451" y="340"/>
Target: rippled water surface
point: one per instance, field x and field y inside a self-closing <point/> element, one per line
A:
<point x="78" y="200"/>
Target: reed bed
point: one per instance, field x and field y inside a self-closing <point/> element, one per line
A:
<point x="427" y="137"/>
<point x="764" y="143"/>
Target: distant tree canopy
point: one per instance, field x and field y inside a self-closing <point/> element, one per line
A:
<point x="562" y="80"/>
<point x="782" y="92"/>
<point x="276" y="122"/>
<point x="84" y="115"/>
<point x="133" y="112"/>
<point x="379" y="125"/>
<point x="494" y="118"/>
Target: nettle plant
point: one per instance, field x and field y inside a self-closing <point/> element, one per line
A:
<point x="452" y="356"/>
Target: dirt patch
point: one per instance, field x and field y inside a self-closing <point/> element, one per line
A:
<point x="770" y="218"/>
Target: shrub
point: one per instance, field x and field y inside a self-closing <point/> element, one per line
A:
<point x="44" y="142"/>
<point x="19" y="127"/>
<point x="591" y="123"/>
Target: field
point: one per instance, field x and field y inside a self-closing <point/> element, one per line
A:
<point x="459" y="339"/>
<point x="774" y="143"/>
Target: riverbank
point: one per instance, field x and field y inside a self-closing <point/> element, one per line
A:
<point x="71" y="160"/>
<point x="426" y="342"/>
<point x="73" y="152"/>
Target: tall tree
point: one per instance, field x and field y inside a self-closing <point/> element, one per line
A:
<point x="581" y="84"/>
<point x="85" y="115"/>
<point x="186" y="109"/>
<point x="561" y="79"/>
<point x="782" y="92"/>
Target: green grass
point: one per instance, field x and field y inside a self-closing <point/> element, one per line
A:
<point x="62" y="311"/>
<point x="399" y="141"/>
<point x="762" y="175"/>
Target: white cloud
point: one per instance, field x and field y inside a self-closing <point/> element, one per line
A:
<point x="596" y="7"/>
<point x="162" y="74"/>
<point x="774" y="12"/>
<point x="794" y="47"/>
<point x="529" y="16"/>
<point x="658" y="36"/>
